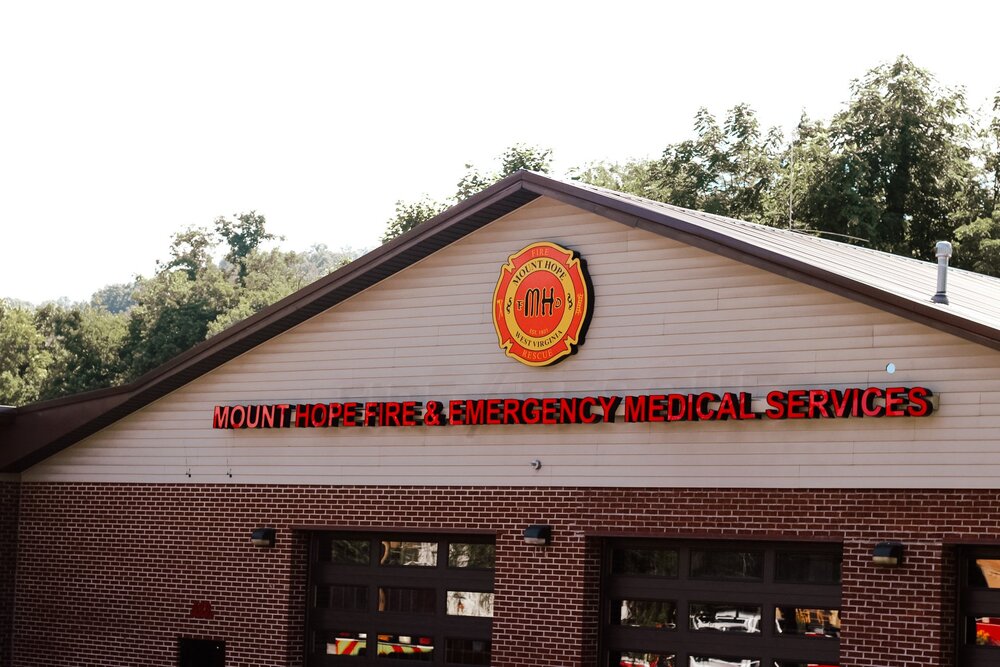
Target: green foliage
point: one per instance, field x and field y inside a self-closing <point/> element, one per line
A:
<point x="273" y="275"/>
<point x="172" y="313"/>
<point x="190" y="250"/>
<point x="519" y="156"/>
<point x="84" y="344"/>
<point x="129" y="329"/>
<point x="905" y="142"/>
<point x="989" y="153"/>
<point x="898" y="169"/>
<point x="635" y="177"/>
<point x="409" y="215"/>
<point x="977" y="245"/>
<point x="903" y="165"/>
<point x="815" y="188"/>
<point x="727" y="169"/>
<point x="243" y="234"/>
<point x="24" y="357"/>
<point x="522" y="156"/>
<point x="115" y="298"/>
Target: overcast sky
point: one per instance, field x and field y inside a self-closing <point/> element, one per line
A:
<point x="121" y="123"/>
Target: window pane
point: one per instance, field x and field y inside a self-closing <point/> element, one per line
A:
<point x="470" y="603"/>
<point x="807" y="622"/>
<point x="406" y="647"/>
<point x="341" y="643"/>
<point x="479" y="556"/>
<point x="984" y="573"/>
<point x="646" y="613"/>
<point x="411" y="600"/>
<point x="808" y="568"/>
<point x="467" y="651"/>
<point x="350" y="552"/>
<point x="342" y="597"/>
<point x="409" y="553"/>
<point x="724" y="617"/>
<point x="637" y="659"/>
<point x="983" y="630"/>
<point x="701" y="661"/>
<point x="654" y="562"/>
<point x="727" y="565"/>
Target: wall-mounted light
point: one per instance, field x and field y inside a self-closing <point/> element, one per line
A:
<point x="538" y="535"/>
<point x="263" y="537"/>
<point x="888" y="554"/>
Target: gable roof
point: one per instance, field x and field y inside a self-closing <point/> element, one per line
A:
<point x="896" y="284"/>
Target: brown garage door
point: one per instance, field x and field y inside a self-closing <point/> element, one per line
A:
<point x="420" y="598"/>
<point x="720" y="604"/>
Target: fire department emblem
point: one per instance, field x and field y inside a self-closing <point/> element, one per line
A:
<point x="541" y="306"/>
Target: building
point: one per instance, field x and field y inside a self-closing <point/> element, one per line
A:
<point x="742" y="420"/>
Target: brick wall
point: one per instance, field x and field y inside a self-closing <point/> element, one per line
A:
<point x="109" y="572"/>
<point x="9" y="495"/>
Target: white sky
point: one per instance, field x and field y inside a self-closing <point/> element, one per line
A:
<point x="121" y="123"/>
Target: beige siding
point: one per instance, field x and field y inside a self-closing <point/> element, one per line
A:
<point x="667" y="317"/>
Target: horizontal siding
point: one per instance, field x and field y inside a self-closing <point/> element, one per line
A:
<point x="668" y="317"/>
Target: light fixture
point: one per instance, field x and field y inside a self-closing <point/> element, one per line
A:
<point x="538" y="535"/>
<point x="263" y="537"/>
<point x="888" y="554"/>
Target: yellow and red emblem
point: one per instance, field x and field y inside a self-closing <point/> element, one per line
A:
<point x="541" y="305"/>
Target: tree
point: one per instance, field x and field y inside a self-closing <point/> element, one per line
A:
<point x="84" y="344"/>
<point x="273" y="275"/>
<point x="978" y="242"/>
<point x="632" y="176"/>
<point x="409" y="215"/>
<point x="172" y="313"/>
<point x="815" y="187"/>
<point x="115" y="298"/>
<point x="977" y="245"/>
<point x="190" y="250"/>
<point x="24" y="359"/>
<point x="243" y="234"/>
<point x="519" y="156"/>
<point x="728" y="168"/>
<point x="904" y="143"/>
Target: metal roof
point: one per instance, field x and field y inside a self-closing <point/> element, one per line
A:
<point x="900" y="285"/>
<point x="973" y="296"/>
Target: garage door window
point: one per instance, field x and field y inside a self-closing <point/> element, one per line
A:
<point x="419" y="598"/>
<point x="717" y="604"/>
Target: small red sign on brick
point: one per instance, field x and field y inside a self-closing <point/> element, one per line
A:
<point x="202" y="610"/>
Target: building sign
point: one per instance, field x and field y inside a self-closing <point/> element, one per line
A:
<point x="855" y="402"/>
<point x="542" y="304"/>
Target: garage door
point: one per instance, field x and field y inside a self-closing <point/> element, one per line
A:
<point x="720" y="604"/>
<point x="979" y="607"/>
<point x="419" y="598"/>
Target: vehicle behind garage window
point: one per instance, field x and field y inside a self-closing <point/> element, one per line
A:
<point x="720" y="604"/>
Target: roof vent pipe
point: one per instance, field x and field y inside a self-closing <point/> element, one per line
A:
<point x="943" y="255"/>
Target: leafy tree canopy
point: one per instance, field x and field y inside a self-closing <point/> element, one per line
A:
<point x="904" y="164"/>
<point x="126" y="330"/>
<point x="519" y="156"/>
